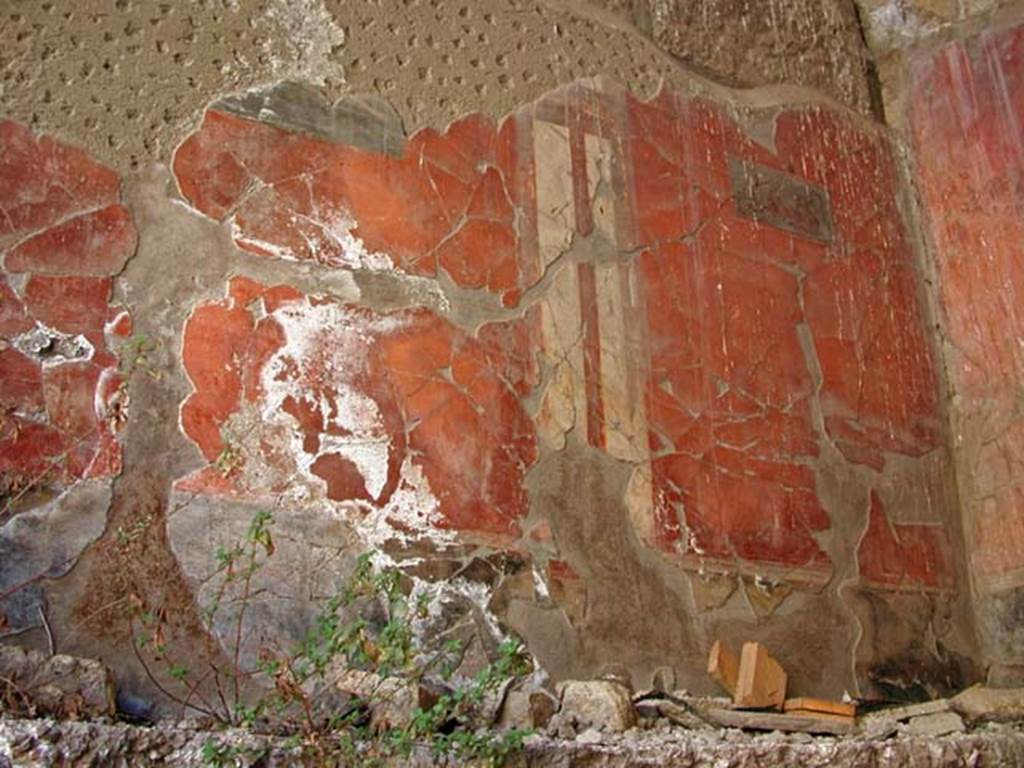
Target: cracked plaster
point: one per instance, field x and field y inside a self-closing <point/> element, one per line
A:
<point x="866" y="598"/>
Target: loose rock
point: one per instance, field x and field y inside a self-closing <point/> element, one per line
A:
<point x="65" y="686"/>
<point x="598" y="703"/>
<point x="527" y="709"/>
<point x="391" y="701"/>
<point x="980" y="703"/>
<point x="936" y="724"/>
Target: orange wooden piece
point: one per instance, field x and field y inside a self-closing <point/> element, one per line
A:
<point x="723" y="666"/>
<point x="762" y="680"/>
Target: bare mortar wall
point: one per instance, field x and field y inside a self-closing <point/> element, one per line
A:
<point x="619" y="371"/>
<point x="815" y="43"/>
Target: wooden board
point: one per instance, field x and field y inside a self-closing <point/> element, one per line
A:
<point x="772" y="721"/>
<point x="821" y="705"/>
<point x="761" y="682"/>
<point x="723" y="666"/>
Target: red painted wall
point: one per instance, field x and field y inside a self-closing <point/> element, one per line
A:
<point x="765" y="315"/>
<point x="967" y="121"/>
<point x="66" y="236"/>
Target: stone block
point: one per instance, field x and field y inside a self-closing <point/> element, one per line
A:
<point x="597" y="704"/>
<point x="979" y="703"/>
<point x="935" y="724"/>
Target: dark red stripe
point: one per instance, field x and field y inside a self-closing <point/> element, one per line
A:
<point x="591" y="355"/>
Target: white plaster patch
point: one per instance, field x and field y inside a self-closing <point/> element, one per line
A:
<point x="319" y="364"/>
<point x="101" y="398"/>
<point x="413" y="506"/>
<point x="336" y="227"/>
<point x="339" y="227"/>
<point x="51" y="347"/>
<point x="314" y="34"/>
<point x="540" y="586"/>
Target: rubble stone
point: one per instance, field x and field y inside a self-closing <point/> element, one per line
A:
<point x="527" y="709"/>
<point x="598" y="703"/>
<point x="979" y="703"/>
<point x="935" y="724"/>
<point x="61" y="685"/>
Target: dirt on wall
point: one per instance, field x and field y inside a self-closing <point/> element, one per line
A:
<point x="126" y="78"/>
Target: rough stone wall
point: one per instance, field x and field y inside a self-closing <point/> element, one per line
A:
<point x="814" y="43"/>
<point x="620" y="375"/>
<point x="965" y="110"/>
<point x="895" y="29"/>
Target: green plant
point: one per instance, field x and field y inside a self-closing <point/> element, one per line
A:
<point x="218" y="755"/>
<point x="383" y="653"/>
<point x="126" y="535"/>
<point x="134" y="353"/>
<point x="230" y="457"/>
<point x="236" y="568"/>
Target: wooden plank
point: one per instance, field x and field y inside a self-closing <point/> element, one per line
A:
<point x="821" y="705"/>
<point x="761" y="682"/>
<point x="772" y="721"/>
<point x="724" y="667"/>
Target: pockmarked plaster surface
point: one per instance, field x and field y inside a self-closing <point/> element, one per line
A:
<point x="127" y="78"/>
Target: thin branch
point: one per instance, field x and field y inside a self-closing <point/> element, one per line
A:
<point x="46" y="626"/>
<point x="205" y="709"/>
<point x="15" y="588"/>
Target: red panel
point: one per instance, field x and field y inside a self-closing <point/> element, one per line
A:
<point x="904" y="554"/>
<point x="58" y="379"/>
<point x="96" y="243"/>
<point x="967" y="113"/>
<point x="408" y="382"/>
<point x="735" y="317"/>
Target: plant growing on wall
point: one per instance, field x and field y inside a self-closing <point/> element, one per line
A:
<point x="356" y="691"/>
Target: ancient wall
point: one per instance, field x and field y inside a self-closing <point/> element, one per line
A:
<point x="621" y="370"/>
<point x="964" y="112"/>
<point x="126" y="78"/>
<point x="814" y="43"/>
